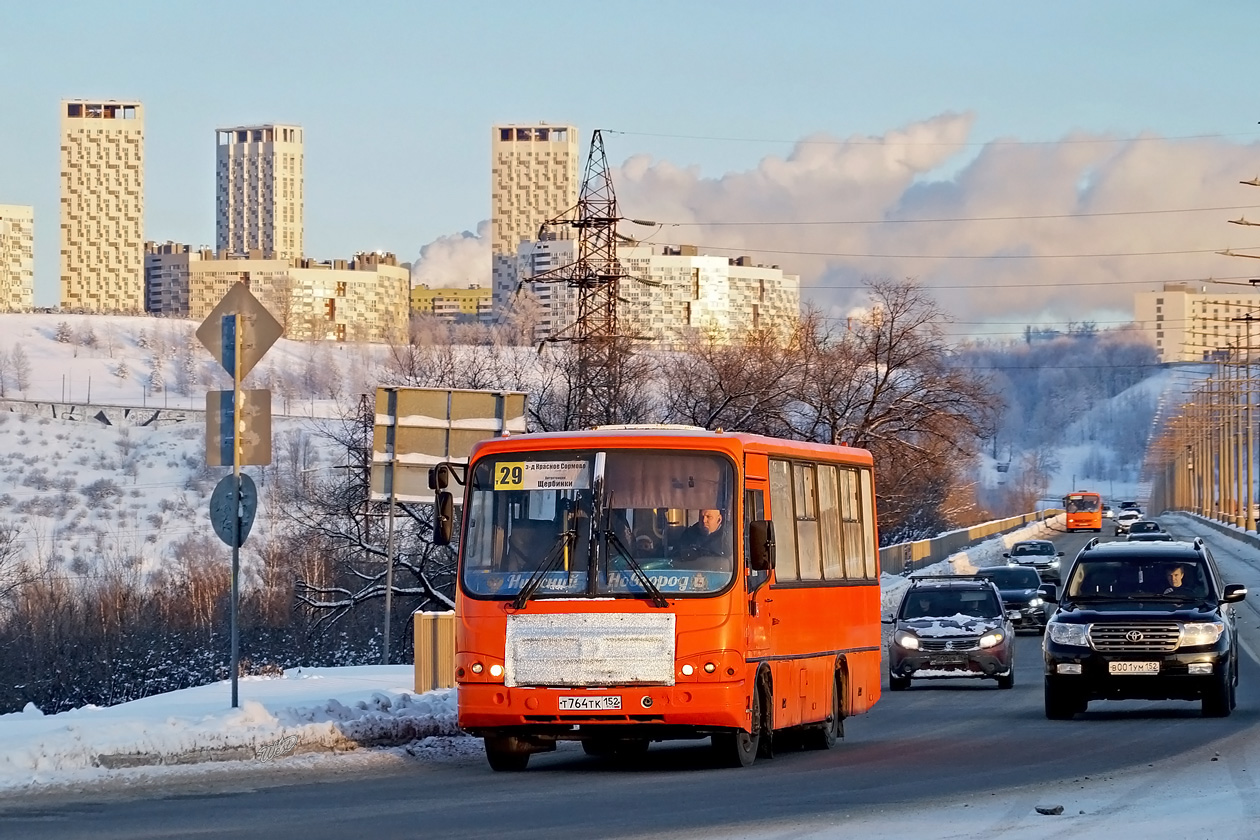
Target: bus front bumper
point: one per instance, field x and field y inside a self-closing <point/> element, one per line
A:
<point x="702" y="707"/>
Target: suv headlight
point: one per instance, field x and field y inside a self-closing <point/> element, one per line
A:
<point x="906" y="639"/>
<point x="1054" y="564"/>
<point x="1070" y="634"/>
<point x="1196" y="633"/>
<point x="989" y="640"/>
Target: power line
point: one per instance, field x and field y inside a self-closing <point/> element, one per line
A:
<point x="944" y="143"/>
<point x="962" y="218"/>
<point x="747" y="249"/>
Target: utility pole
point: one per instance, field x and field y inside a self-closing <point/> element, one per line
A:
<point x="596" y="274"/>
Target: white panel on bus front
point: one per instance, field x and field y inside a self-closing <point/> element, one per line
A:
<point x="589" y="649"/>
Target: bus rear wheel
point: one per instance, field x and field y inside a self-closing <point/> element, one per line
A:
<point x="739" y="748"/>
<point x="824" y="737"/>
<point x="506" y="754"/>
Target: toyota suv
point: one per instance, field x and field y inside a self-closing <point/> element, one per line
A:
<point x="1142" y="621"/>
<point x="951" y="626"/>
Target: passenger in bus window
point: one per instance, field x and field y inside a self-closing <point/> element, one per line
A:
<point x="708" y="537"/>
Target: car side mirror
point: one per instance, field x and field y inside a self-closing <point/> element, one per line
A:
<point x="443" y="517"/>
<point x="761" y="545"/>
<point x="888" y="619"/>
<point x="1006" y="554"/>
<point x="1049" y="592"/>
<point x="1234" y="592"/>
<point x="1060" y="553"/>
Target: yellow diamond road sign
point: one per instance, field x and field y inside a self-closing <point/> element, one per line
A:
<point x="259" y="330"/>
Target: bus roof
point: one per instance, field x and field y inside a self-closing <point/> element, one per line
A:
<point x="670" y="437"/>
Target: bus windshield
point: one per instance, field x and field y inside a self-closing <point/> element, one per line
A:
<point x="595" y="524"/>
<point x="1085" y="503"/>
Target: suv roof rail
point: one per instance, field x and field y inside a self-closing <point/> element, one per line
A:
<point x="1198" y="543"/>
<point x="946" y="577"/>
<point x="1092" y="542"/>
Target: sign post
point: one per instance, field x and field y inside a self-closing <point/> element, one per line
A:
<point x="237" y="333"/>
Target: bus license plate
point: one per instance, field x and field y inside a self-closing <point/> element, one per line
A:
<point x="601" y="703"/>
<point x="1133" y="667"/>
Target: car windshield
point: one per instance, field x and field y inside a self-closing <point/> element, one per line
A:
<point x="1013" y="578"/>
<point x="1028" y="549"/>
<point x="1136" y="578"/>
<point x="661" y="515"/>
<point x="944" y="603"/>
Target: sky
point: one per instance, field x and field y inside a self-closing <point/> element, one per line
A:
<point x="1107" y="139"/>
<point x="303" y="720"/>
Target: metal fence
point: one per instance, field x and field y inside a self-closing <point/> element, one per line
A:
<point x="909" y="556"/>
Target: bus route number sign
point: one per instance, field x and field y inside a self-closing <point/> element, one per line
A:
<point x="542" y="475"/>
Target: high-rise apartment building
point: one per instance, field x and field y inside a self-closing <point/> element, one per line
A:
<point x="17" y="258"/>
<point x="260" y="191"/>
<point x="102" y="205"/>
<point x="672" y="294"/>
<point x="1187" y="323"/>
<point x="361" y="300"/>
<point x="534" y="177"/>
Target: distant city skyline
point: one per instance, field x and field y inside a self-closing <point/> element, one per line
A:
<point x="1040" y="134"/>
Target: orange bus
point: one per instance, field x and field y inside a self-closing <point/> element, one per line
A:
<point x="596" y="603"/>
<point x="1083" y="511"/>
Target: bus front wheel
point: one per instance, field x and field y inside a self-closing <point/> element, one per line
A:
<point x="739" y="748"/>
<point x="507" y="754"/>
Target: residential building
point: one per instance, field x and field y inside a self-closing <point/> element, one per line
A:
<point x="102" y="206"/>
<point x="260" y="192"/>
<point x="17" y="258"/>
<point x="471" y="305"/>
<point x="671" y="295"/>
<point x="533" y="178"/>
<point x="360" y="300"/>
<point x="1187" y="323"/>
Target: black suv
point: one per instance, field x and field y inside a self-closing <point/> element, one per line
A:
<point x="1142" y="621"/>
<point x="951" y="626"/>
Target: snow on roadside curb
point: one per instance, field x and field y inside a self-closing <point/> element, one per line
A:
<point x="305" y="711"/>
<point x="965" y="562"/>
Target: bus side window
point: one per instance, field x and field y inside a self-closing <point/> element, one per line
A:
<point x="754" y="509"/>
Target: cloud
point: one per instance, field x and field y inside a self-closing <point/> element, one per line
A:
<point x="927" y="170"/>
<point x="838" y="211"/>
<point x="455" y="261"/>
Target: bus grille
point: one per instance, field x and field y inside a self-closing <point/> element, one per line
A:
<point x="589" y="649"/>
<point x="1137" y="637"/>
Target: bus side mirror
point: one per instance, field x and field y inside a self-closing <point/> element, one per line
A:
<point x="443" y="517"/>
<point x="761" y="545"/>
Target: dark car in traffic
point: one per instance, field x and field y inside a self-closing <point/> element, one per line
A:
<point x="1019" y="587"/>
<point x="1143" y="621"/>
<point x="951" y="626"/>
<point x="1144" y="526"/>
<point x="1040" y="555"/>
<point x="1150" y="536"/>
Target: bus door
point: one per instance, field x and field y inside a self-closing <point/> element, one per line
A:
<point x="757" y="633"/>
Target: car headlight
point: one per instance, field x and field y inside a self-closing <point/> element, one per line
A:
<point x="906" y="639"/>
<point x="1035" y="602"/>
<point x="1201" y="633"/>
<point x="989" y="640"/>
<point x="1054" y="564"/>
<point x="1070" y="634"/>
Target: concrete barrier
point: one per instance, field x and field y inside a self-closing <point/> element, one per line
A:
<point x="906" y="557"/>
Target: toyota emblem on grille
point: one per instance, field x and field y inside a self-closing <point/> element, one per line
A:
<point x="1133" y="636"/>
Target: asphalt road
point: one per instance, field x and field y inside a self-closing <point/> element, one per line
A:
<point x="954" y="740"/>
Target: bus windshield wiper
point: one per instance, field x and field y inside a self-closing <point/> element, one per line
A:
<point x="549" y="562"/>
<point x="658" y="600"/>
